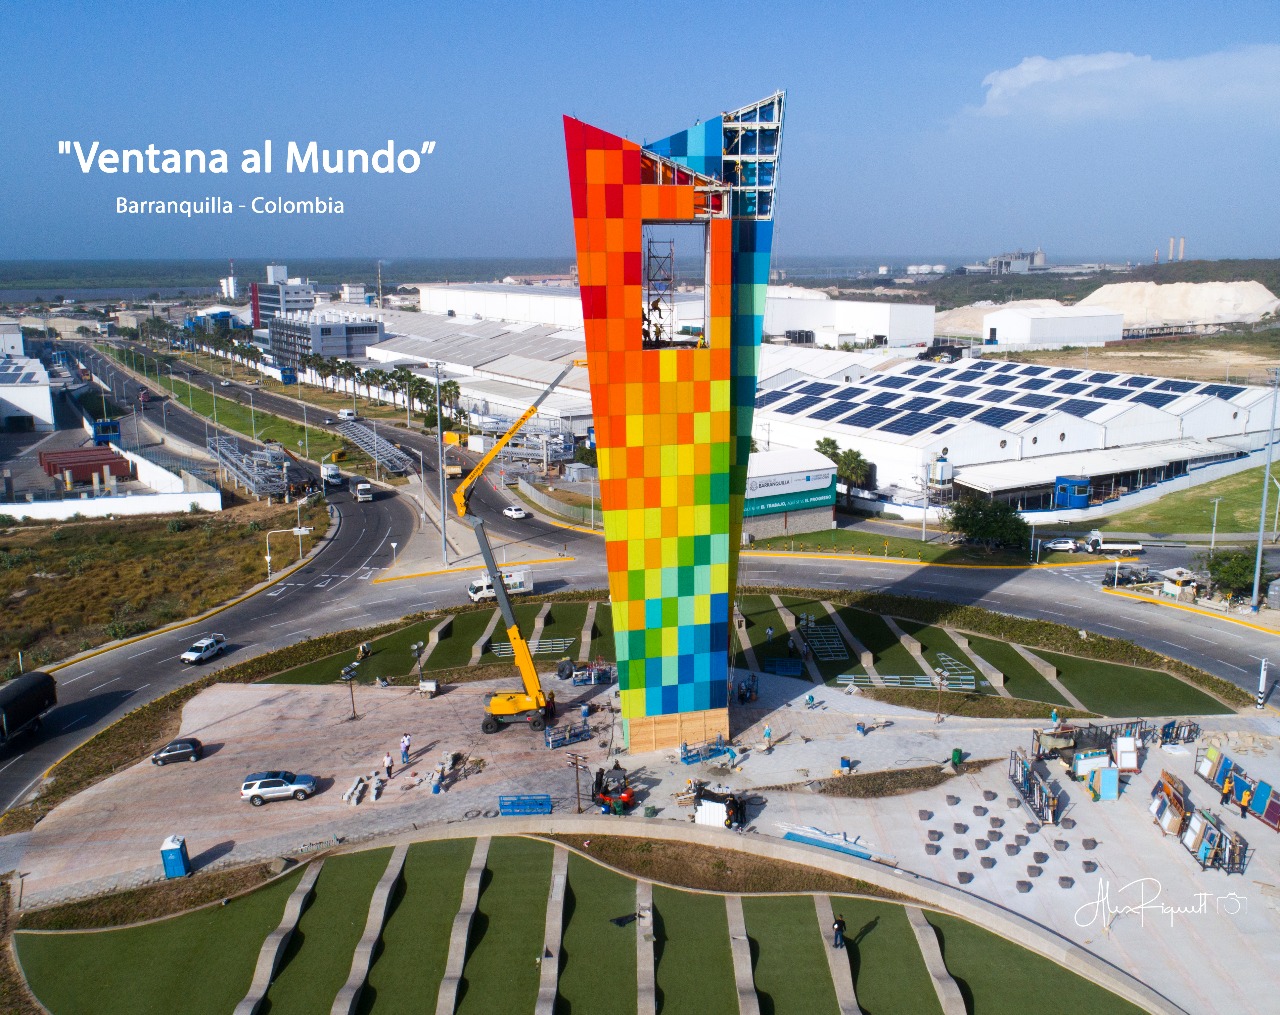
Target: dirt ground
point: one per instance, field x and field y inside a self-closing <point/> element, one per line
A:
<point x="1238" y="359"/>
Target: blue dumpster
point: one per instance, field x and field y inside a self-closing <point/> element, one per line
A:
<point x="174" y="855"/>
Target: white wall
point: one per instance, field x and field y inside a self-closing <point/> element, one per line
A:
<point x="563" y="310"/>
<point x="1016" y="326"/>
<point x="836" y="321"/>
<point x="34" y="400"/>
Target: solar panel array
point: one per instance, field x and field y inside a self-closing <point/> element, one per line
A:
<point x="932" y="398"/>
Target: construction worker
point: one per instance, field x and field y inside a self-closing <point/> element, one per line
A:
<point x="1228" y="785"/>
<point x="1245" y="797"/>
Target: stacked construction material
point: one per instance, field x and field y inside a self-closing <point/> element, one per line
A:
<point x="85" y="463"/>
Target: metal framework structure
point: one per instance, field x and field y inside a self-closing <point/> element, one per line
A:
<point x="1035" y="792"/>
<point x="262" y="473"/>
<point x="381" y="450"/>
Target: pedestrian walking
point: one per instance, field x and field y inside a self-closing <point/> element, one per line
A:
<point x="768" y="739"/>
<point x="1245" y="797"/>
<point x="1228" y="784"/>
<point x="405" y="743"/>
<point x="837" y="932"/>
<point x="586" y="711"/>
<point x="386" y="763"/>
<point x="768" y="634"/>
<point x="733" y="758"/>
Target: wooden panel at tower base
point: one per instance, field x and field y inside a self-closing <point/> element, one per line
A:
<point x="668" y="732"/>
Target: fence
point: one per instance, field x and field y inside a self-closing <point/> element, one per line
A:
<point x="582" y="515"/>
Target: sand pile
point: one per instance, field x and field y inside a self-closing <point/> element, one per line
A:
<point x="967" y="321"/>
<point x="1149" y="305"/>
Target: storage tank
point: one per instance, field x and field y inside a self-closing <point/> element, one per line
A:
<point x="939" y="269"/>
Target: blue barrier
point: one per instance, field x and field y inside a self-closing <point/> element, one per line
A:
<point x="703" y="752"/>
<point x="784" y="667"/>
<point x="562" y="736"/>
<point x="525" y="803"/>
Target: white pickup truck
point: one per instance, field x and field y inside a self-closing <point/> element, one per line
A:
<point x="1098" y="543"/>
<point x="364" y="492"/>
<point x="518" y="583"/>
<point x="206" y="648"/>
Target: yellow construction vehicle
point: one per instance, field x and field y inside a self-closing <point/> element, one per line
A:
<point x="531" y="705"/>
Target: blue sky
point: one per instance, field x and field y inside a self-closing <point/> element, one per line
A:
<point x="916" y="129"/>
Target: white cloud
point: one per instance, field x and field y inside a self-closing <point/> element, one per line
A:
<point x="1095" y="86"/>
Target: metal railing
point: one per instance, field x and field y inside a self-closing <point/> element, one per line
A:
<point x="257" y="471"/>
<point x="381" y="450"/>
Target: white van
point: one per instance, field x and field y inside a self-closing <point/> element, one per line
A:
<point x="364" y="492"/>
<point x="347" y="414"/>
<point x="517" y="583"/>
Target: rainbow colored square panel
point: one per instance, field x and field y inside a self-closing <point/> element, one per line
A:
<point x="673" y="402"/>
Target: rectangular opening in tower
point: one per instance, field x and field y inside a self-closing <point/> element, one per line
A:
<point x="676" y="271"/>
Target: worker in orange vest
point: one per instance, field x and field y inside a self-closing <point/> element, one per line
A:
<point x="1228" y="784"/>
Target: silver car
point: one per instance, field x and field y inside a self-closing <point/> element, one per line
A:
<point x="263" y="786"/>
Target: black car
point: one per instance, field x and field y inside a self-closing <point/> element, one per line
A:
<point x="182" y="749"/>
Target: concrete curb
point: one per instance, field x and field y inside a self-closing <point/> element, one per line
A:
<point x="588" y="625"/>
<point x="273" y="948"/>
<point x="646" y="992"/>
<point x="549" y="965"/>
<point x="740" y="946"/>
<point x="447" y="999"/>
<point x="994" y="677"/>
<point x="949" y="996"/>
<point x="349" y="996"/>
<point x="477" y="650"/>
<point x="912" y="645"/>
<point x="837" y="959"/>
<point x="1050" y="673"/>
<point x="865" y="659"/>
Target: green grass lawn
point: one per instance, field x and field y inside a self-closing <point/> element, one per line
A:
<point x="981" y="963"/>
<point x="564" y="621"/>
<point x="1020" y="679"/>
<point x="935" y="643"/>
<point x="788" y="956"/>
<point x="1192" y="510"/>
<point x="318" y="960"/>
<point x="501" y="972"/>
<point x="602" y="643"/>
<point x="409" y="963"/>
<point x="888" y="653"/>
<point x="598" y="958"/>
<point x="863" y="542"/>
<point x="1112" y="689"/>
<point x="694" y="966"/>
<point x="830" y="669"/>
<point x="526" y="615"/>
<point x="202" y="962"/>
<point x="455" y="647"/>
<point x="889" y="974"/>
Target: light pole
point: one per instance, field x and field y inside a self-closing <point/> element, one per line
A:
<point x="1213" y="535"/>
<point x="298" y="531"/>
<point x="444" y="543"/>
<point x="306" y="433"/>
<point x="253" y="417"/>
<point x="214" y="389"/>
<point x="164" y="416"/>
<point x="375" y="449"/>
<point x="1266" y="489"/>
<point x="422" y="484"/>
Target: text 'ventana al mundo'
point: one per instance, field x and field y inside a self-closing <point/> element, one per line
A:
<point x="299" y="158"/>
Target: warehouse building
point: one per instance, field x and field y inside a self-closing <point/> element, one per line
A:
<point x="26" y="398"/>
<point x="835" y="323"/>
<point x="321" y="333"/>
<point x="1052" y="326"/>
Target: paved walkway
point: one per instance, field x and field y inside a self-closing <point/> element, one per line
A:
<point x="865" y="658"/>
<point x="477" y="650"/>
<point x="740" y="947"/>
<point x="949" y="996"/>
<point x="277" y="941"/>
<point x="837" y="958"/>
<point x="992" y="675"/>
<point x="588" y="625"/>
<point x="549" y="969"/>
<point x="1050" y="673"/>
<point x="646" y="992"/>
<point x="447" y="999"/>
<point x="349" y="994"/>
<point x="912" y="645"/>
<point x="789" y="621"/>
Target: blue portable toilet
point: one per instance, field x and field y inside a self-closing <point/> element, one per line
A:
<point x="173" y="853"/>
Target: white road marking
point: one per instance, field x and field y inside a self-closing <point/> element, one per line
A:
<point x="1235" y="667"/>
<point x="11" y="761"/>
<point x="73" y="722"/>
<point x="111" y="681"/>
<point x="146" y="651"/>
<point x="81" y="677"/>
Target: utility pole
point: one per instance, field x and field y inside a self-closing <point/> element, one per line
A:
<point x="444" y="542"/>
<point x="1266" y="489"/>
<point x="578" y="762"/>
<point x="1213" y="535"/>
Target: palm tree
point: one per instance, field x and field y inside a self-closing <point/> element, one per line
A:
<point x="392" y="384"/>
<point x="449" y="393"/>
<point x="854" y="470"/>
<point x="375" y="379"/>
<point x="827" y="446"/>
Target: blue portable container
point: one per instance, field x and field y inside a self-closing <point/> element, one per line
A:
<point x="173" y="853"/>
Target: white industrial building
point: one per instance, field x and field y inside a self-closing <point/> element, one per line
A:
<point x="1052" y="326"/>
<point x="839" y="322"/>
<point x="10" y="337"/>
<point x="26" y="400"/>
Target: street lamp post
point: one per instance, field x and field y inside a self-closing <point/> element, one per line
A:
<point x="422" y="485"/>
<point x="1266" y="489"/>
<point x="444" y="542"/>
<point x="306" y="432"/>
<point x="164" y="416"/>
<point x="1213" y="535"/>
<point x="213" y="387"/>
<point x="253" y="417"/>
<point x="298" y="531"/>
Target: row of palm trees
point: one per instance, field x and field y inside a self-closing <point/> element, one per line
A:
<point x="418" y="391"/>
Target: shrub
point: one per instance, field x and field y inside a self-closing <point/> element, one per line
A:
<point x="176" y="525"/>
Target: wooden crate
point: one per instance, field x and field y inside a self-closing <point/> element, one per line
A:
<point x="668" y="732"/>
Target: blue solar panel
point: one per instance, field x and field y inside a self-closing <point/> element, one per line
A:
<point x="927" y="386"/>
<point x="961" y="390"/>
<point x="999" y="380"/>
<point x="955" y="409"/>
<point x="848" y="393"/>
<point x="997" y="417"/>
<point x="1070" y="388"/>
<point x="1031" y="371"/>
<point x="968" y="375"/>
<point x="944" y="428"/>
<point x="1182" y="387"/>
<point x="795" y="385"/>
<point x="982" y="364"/>
<point x="799" y="404"/>
<point x="1109" y="393"/>
<point x="1036" y="401"/>
<point x="818" y="388"/>
<point x="869" y="416"/>
<point x="27" y="378"/>
<point x="1220" y="390"/>
<point x="895" y="381"/>
<point x="994" y="395"/>
<point x="909" y="424"/>
<point x="1079" y="406"/>
<point x="920" y="369"/>
<point x="829" y="411"/>
<point x="8" y="378"/>
<point x="1137" y="382"/>
<point x="918" y="404"/>
<point x="1158" y="399"/>
<point x="883" y="398"/>
<point x="1101" y="378"/>
<point x="1034" y="383"/>
<point x="1065" y="375"/>
<point x="1036" y="418"/>
<point x="769" y="397"/>
<point x="1004" y="368"/>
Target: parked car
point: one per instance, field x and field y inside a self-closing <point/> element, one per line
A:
<point x="206" y="648"/>
<point x="182" y="749"/>
<point x="1061" y="545"/>
<point x="328" y="421"/>
<point x="263" y="786"/>
<point x="514" y="511"/>
<point x="225" y="384"/>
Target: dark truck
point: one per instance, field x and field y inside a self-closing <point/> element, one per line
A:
<point x="23" y="702"/>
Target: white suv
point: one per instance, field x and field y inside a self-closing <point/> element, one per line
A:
<point x="263" y="786"/>
<point x="206" y="648"/>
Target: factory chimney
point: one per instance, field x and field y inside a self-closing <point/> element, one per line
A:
<point x="1171" y="249"/>
<point x="1157" y="260"/>
<point x="1182" y="248"/>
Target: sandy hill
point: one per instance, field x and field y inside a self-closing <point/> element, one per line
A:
<point x="967" y="321"/>
<point x="1149" y="304"/>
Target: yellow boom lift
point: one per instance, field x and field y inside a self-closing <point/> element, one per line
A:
<point x="531" y="705"/>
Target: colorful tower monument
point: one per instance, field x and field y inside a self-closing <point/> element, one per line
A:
<point x="673" y="402"/>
